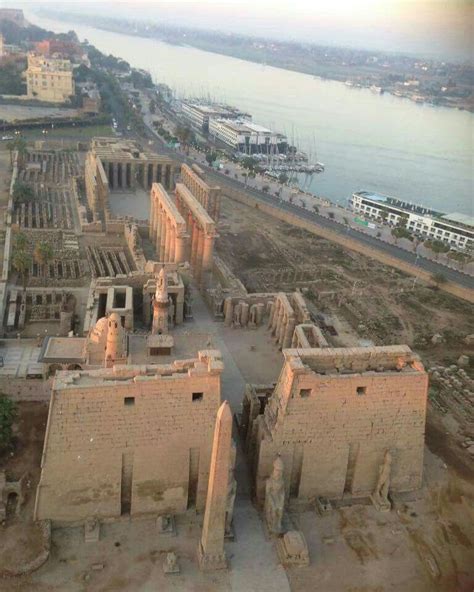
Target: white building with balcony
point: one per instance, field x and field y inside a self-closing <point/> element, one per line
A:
<point x="246" y="136"/>
<point x="456" y="230"/>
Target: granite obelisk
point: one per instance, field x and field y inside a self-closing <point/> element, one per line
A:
<point x="211" y="552"/>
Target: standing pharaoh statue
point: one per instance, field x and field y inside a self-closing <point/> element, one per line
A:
<point x="380" y="495"/>
<point x="275" y="497"/>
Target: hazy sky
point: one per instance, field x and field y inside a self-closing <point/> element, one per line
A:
<point x="438" y="27"/>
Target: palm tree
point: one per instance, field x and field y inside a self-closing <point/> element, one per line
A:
<point x="11" y="148"/>
<point x="21" y="262"/>
<point x="22" y="192"/>
<point x="439" y="279"/>
<point x="183" y="133"/>
<point x="21" y="241"/>
<point x="42" y="254"/>
<point x="20" y="147"/>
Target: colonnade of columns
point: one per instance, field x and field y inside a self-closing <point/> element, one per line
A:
<point x="208" y="197"/>
<point x="201" y="230"/>
<point x="124" y="175"/>
<point x="282" y="321"/>
<point x="167" y="228"/>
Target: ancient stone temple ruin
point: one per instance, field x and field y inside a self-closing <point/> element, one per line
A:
<point x="122" y="165"/>
<point x="129" y="440"/>
<point x="183" y="225"/>
<point x="332" y="417"/>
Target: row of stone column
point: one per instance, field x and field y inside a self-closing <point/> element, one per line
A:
<point x="123" y="175"/>
<point x="200" y="246"/>
<point x="282" y="324"/>
<point x="243" y="314"/>
<point x="170" y="243"/>
<point x="208" y="197"/>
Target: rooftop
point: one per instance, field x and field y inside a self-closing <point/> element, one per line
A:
<point x="463" y="219"/>
<point x="122" y="149"/>
<point x="355" y="360"/>
<point x="62" y="349"/>
<point x="207" y="362"/>
<point x="242" y="126"/>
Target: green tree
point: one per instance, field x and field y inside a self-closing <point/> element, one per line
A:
<point x="401" y="232"/>
<point x="21" y="262"/>
<point x="283" y="178"/>
<point x="7" y="415"/>
<point x="461" y="258"/>
<point x="42" y="254"/>
<point x="21" y="148"/>
<point x="439" y="278"/>
<point x="11" y="148"/>
<point x="211" y="157"/>
<point x="21" y="241"/>
<point x="437" y="247"/>
<point x="22" y="192"/>
<point x="249" y="163"/>
<point x="18" y="145"/>
<point x="184" y="135"/>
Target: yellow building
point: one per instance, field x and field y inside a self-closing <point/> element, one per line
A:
<point x="49" y="79"/>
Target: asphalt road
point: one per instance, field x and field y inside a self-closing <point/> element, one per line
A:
<point x="427" y="265"/>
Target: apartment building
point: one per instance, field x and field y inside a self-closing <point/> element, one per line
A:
<point x="49" y="79"/>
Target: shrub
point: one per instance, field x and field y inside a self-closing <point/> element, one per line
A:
<point x="7" y="415"/>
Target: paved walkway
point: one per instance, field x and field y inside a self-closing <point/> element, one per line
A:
<point x="253" y="559"/>
<point x="20" y="358"/>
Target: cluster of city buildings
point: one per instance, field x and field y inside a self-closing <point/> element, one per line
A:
<point x="456" y="230"/>
<point x="49" y="75"/>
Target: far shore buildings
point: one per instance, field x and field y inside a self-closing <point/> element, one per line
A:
<point x="49" y="79"/>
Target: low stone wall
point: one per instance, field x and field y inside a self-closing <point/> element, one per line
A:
<point x="26" y="389"/>
<point x="8" y="245"/>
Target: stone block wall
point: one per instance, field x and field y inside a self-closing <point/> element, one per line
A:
<point x="153" y="420"/>
<point x="21" y="389"/>
<point x="333" y="427"/>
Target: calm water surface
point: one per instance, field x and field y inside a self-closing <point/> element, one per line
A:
<point x="382" y="143"/>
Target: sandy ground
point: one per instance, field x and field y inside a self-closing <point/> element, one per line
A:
<point x="136" y="204"/>
<point x="367" y="301"/>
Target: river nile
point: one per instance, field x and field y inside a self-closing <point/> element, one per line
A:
<point x="417" y="152"/>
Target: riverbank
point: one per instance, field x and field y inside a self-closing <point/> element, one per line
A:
<point x="416" y="79"/>
<point x="380" y="143"/>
